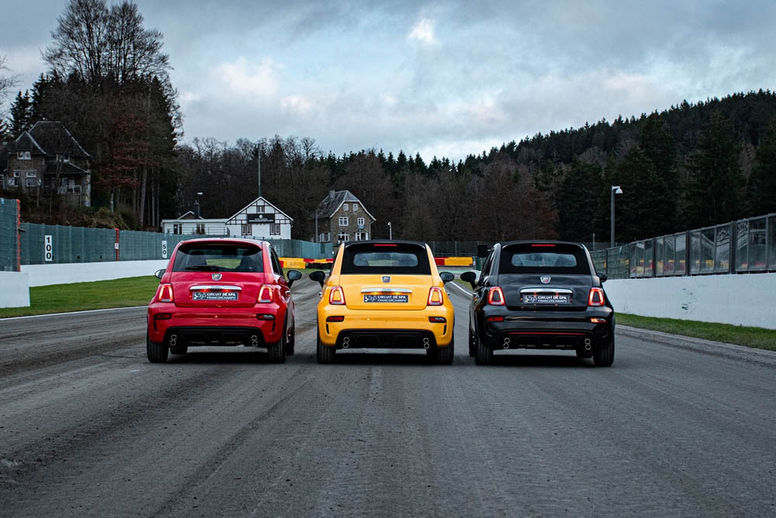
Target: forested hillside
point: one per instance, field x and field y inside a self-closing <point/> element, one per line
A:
<point x="108" y="82"/>
<point x="686" y="167"/>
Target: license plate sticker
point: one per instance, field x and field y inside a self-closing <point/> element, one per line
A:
<point x="384" y="297"/>
<point x="546" y="298"/>
<point x="214" y="295"/>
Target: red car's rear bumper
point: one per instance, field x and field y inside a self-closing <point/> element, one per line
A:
<point x="208" y="323"/>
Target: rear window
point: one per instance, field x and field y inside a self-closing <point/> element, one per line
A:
<point x="543" y="258"/>
<point x="218" y="257"/>
<point x="396" y="258"/>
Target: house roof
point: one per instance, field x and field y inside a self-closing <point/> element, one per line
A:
<point x="255" y="202"/>
<point x="334" y="200"/>
<point x="26" y="142"/>
<point x="52" y="138"/>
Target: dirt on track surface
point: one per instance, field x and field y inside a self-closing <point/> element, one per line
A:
<point x="89" y="428"/>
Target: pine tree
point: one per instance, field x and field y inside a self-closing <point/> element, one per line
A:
<point x="715" y="182"/>
<point x="21" y="113"/>
<point x="762" y="182"/>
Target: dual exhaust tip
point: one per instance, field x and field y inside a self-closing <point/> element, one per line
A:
<point x="508" y="343"/>
<point x="426" y="343"/>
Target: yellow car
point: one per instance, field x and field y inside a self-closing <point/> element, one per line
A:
<point x="385" y="294"/>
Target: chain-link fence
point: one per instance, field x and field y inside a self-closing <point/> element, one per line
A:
<point x="9" y="235"/>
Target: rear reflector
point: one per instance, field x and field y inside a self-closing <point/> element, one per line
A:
<point x="163" y="316"/>
<point x="335" y="318"/>
<point x="265" y="316"/>
<point x="496" y="296"/>
<point x="437" y="320"/>
<point x="495" y="319"/>
<point x="596" y="297"/>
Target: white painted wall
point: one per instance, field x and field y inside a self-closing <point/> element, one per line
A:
<point x="48" y="274"/>
<point x="747" y="300"/>
<point x="14" y="290"/>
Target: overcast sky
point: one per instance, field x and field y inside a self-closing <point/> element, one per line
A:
<point x="440" y="78"/>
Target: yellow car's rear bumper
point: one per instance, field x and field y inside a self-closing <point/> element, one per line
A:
<point x="376" y="326"/>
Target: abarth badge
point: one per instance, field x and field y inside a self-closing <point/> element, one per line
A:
<point x="216" y="276"/>
<point x="545" y="279"/>
<point x="386" y="278"/>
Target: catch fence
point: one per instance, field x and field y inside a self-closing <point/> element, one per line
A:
<point x="9" y="235"/>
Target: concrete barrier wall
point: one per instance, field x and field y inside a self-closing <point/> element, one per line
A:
<point x="48" y="274"/>
<point x="747" y="300"/>
<point x="14" y="290"/>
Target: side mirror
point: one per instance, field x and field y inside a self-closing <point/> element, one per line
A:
<point x="160" y="273"/>
<point x="469" y="277"/>
<point x="318" y="276"/>
<point x="603" y="278"/>
<point x="293" y="275"/>
<point x="446" y="276"/>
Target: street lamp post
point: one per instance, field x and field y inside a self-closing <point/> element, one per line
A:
<point x="615" y="190"/>
<point x="390" y="232"/>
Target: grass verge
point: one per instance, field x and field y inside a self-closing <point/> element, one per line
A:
<point x="757" y="337"/>
<point x="79" y="296"/>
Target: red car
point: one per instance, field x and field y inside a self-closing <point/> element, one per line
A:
<point x="222" y="292"/>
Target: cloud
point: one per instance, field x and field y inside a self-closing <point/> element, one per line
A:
<point x="423" y="32"/>
<point x="247" y="79"/>
<point x="297" y="104"/>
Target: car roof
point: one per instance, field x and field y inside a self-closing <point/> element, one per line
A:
<point x="238" y="240"/>
<point x="385" y="241"/>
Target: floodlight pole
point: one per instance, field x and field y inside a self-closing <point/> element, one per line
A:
<point x="390" y="232"/>
<point x="615" y="190"/>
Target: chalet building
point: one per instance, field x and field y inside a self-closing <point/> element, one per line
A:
<point x="47" y="159"/>
<point x="259" y="219"/>
<point x="342" y="217"/>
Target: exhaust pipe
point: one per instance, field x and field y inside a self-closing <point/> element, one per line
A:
<point x="506" y="343"/>
<point x="588" y="344"/>
<point x="346" y="342"/>
<point x="254" y="341"/>
<point x="173" y="340"/>
<point x="426" y="343"/>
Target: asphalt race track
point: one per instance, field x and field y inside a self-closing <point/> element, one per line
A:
<point x="89" y="428"/>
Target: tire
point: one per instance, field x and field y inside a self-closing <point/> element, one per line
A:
<point x="445" y="355"/>
<point x="603" y="354"/>
<point x="181" y="349"/>
<point x="157" y="353"/>
<point x="291" y="342"/>
<point x="482" y="354"/>
<point x="277" y="351"/>
<point x="323" y="353"/>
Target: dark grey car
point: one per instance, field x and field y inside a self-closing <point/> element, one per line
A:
<point x="540" y="295"/>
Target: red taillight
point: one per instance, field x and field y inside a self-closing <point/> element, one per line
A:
<point x="165" y="293"/>
<point x="265" y="294"/>
<point x="596" y="297"/>
<point x="496" y="296"/>
<point x="437" y="320"/>
<point x="495" y="319"/>
<point x="542" y="245"/>
<point x="336" y="318"/>
<point x="435" y="297"/>
<point x="337" y="296"/>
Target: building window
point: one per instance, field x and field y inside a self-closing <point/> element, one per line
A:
<point x="246" y="229"/>
<point x="23" y="155"/>
<point x="355" y="207"/>
<point x="362" y="236"/>
<point x="260" y="209"/>
<point x="342" y="237"/>
<point x="200" y="228"/>
<point x="361" y="222"/>
<point x="345" y="207"/>
<point x="31" y="174"/>
<point x="343" y="221"/>
<point x="176" y="228"/>
<point x="274" y="229"/>
<point x="31" y="182"/>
